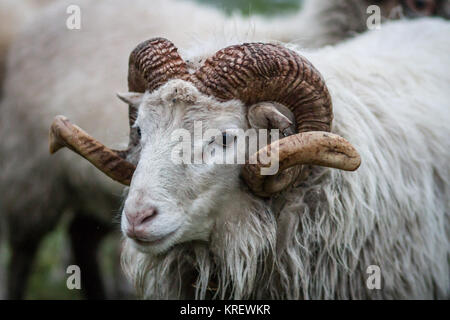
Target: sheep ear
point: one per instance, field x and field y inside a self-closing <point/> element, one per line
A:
<point x="133" y="98"/>
<point x="270" y="115"/>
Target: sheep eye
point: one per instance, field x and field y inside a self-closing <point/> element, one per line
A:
<point x="139" y="132"/>
<point x="422" y="7"/>
<point x="227" y="139"/>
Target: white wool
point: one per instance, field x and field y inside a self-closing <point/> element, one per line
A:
<point x="316" y="240"/>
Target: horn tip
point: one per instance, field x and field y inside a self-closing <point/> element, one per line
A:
<point x="54" y="146"/>
<point x="357" y="162"/>
<point x="54" y="140"/>
<point x="354" y="160"/>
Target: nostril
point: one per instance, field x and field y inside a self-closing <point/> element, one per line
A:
<point x="141" y="217"/>
<point x="148" y="215"/>
<point x="138" y="221"/>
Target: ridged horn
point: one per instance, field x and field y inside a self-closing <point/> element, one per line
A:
<point x="151" y="64"/>
<point x="257" y="72"/>
<point x="307" y="148"/>
<point x="111" y="162"/>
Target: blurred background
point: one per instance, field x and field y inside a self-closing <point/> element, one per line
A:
<point x="48" y="276"/>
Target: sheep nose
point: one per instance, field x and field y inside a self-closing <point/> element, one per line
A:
<point x="137" y="222"/>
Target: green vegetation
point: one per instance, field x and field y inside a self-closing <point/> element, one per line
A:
<point x="248" y="7"/>
<point x="48" y="279"/>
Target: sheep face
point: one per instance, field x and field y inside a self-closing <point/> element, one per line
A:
<point x="170" y="202"/>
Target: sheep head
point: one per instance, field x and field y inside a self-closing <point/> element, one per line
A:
<point x="251" y="73"/>
<point x="252" y="85"/>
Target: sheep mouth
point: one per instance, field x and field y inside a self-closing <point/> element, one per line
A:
<point x="143" y="242"/>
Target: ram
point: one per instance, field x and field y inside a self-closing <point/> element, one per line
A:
<point x="228" y="231"/>
<point x="54" y="70"/>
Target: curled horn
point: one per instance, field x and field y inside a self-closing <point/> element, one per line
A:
<point x="256" y="72"/>
<point x="307" y="148"/>
<point x="152" y="63"/>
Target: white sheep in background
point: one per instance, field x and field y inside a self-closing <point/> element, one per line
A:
<point x="321" y="22"/>
<point x="202" y="231"/>
<point x="13" y="16"/>
<point x="53" y="70"/>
